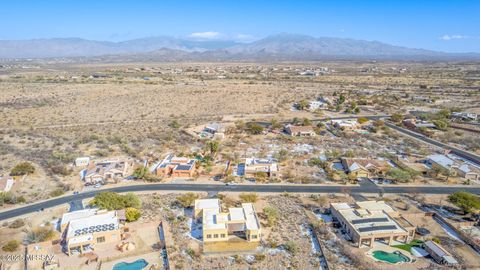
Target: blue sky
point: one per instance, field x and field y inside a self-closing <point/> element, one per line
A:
<point x="443" y="25"/>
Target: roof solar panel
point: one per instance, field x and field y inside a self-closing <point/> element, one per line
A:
<point x="183" y="167"/>
<point x="377" y="228"/>
<point x="369" y="220"/>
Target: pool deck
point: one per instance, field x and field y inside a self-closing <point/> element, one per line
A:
<point x="390" y="249"/>
<point x="152" y="258"/>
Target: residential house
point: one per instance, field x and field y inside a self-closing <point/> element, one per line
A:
<point x="214" y="128"/>
<point x="175" y="166"/>
<point x="464" y="116"/>
<point x="441" y="162"/>
<point x="365" y="167"/>
<point x="422" y="99"/>
<point x="83" y="229"/>
<point x="204" y="204"/>
<point x="412" y="123"/>
<point x="369" y="221"/>
<point x="344" y="124"/>
<point x="411" y="163"/>
<point x="82" y="161"/>
<point x="456" y="167"/>
<point x="107" y="170"/>
<point x="468" y="171"/>
<point x="314" y="105"/>
<point x="252" y="166"/>
<point x="440" y="254"/>
<point x="241" y="222"/>
<point x="300" y="131"/>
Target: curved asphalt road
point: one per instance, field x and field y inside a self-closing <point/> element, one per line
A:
<point x="457" y="151"/>
<point x="236" y="188"/>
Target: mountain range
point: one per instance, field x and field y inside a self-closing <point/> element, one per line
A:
<point x="281" y="47"/>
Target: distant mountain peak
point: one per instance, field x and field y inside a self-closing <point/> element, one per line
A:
<point x="282" y="46"/>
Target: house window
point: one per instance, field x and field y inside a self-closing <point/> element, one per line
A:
<point x="101" y="239"/>
<point x="215" y="236"/>
<point x="209" y="236"/>
<point x="222" y="235"/>
<point x="254" y="236"/>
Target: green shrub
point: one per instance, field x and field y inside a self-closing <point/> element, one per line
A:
<point x="115" y="201"/>
<point x="22" y="169"/>
<point x="174" y="124"/>
<point x="397" y="118"/>
<point x="10" y="198"/>
<point x="290" y="246"/>
<point x="468" y="202"/>
<point x="362" y="120"/>
<point x="255" y="128"/>
<point x="10" y="246"/>
<point x="437" y="240"/>
<point x="17" y="223"/>
<point x="399" y="175"/>
<point x="272" y="214"/>
<point x="259" y="257"/>
<point x="57" y="192"/>
<point x="248" y="197"/>
<point x="132" y="214"/>
<point x="40" y="234"/>
<point x="186" y="200"/>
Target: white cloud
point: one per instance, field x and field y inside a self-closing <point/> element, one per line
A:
<point x="243" y="37"/>
<point x="205" y="35"/>
<point x="453" y="37"/>
<point x="212" y="35"/>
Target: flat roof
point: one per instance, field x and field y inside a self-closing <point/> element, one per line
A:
<point x="369" y="217"/>
<point x="207" y="204"/>
<point x="443" y="160"/>
<point x="80" y="239"/>
<point x="236" y="214"/>
<point x="100" y="222"/>
<point x="441" y="252"/>
<point x="67" y="217"/>
<point x="180" y="163"/>
<point x="340" y="206"/>
<point x="251" y="221"/>
<point x="210" y="221"/>
<point x="375" y="206"/>
<point x="214" y="219"/>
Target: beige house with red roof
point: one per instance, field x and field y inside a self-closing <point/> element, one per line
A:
<point x="175" y="167"/>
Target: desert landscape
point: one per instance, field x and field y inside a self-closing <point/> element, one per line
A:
<point x="329" y="135"/>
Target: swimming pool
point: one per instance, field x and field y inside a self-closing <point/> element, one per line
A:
<point x="136" y="265"/>
<point x="392" y="258"/>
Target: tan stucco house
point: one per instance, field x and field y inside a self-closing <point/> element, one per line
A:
<point x="241" y="222"/>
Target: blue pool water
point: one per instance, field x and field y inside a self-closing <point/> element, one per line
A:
<point x="136" y="265"/>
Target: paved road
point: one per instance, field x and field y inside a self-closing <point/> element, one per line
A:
<point x="235" y="188"/>
<point x="459" y="152"/>
<point x="371" y="117"/>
